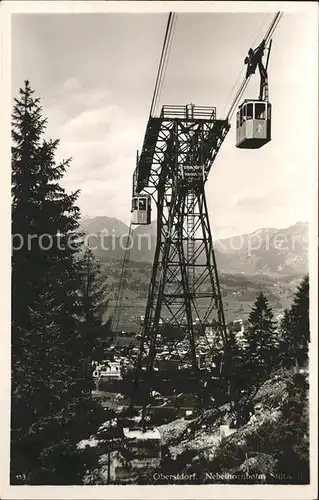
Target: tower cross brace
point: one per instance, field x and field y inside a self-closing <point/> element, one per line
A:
<point x="184" y="299"/>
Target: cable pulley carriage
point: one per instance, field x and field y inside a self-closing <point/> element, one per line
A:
<point x="253" y="119"/>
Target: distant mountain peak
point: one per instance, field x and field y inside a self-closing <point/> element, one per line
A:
<point x="264" y="251"/>
<point x="101" y="223"/>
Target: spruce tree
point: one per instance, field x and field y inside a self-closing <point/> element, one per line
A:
<point x="93" y="298"/>
<point x="291" y="434"/>
<point x="295" y="334"/>
<point x="261" y="339"/>
<point x="285" y="339"/>
<point x="27" y="128"/>
<point x="300" y="314"/>
<point x="236" y="373"/>
<point x="49" y="401"/>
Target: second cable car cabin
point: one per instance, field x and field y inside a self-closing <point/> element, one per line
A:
<point x="141" y="209"/>
<point x="253" y="127"/>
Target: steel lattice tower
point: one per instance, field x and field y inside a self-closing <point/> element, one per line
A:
<point x="184" y="293"/>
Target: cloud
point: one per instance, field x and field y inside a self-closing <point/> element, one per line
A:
<point x="102" y="138"/>
<point x="260" y="204"/>
<point x="96" y="86"/>
<point x="110" y="124"/>
<point x="69" y="99"/>
<point x="103" y="144"/>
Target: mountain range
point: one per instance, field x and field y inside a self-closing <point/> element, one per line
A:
<point x="267" y="251"/>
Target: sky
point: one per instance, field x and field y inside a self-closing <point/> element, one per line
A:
<point x="95" y="75"/>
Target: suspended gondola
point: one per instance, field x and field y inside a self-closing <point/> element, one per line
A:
<point x="141" y="209"/>
<point x="155" y="169"/>
<point x="253" y="120"/>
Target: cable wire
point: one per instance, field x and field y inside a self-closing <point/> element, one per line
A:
<point x="243" y="68"/>
<point x="168" y="27"/>
<point x="165" y="63"/>
<point x="122" y="284"/>
<point x="163" y="59"/>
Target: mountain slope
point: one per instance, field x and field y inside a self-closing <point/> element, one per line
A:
<point x="268" y="251"/>
<point x="105" y="224"/>
<point x="265" y="251"/>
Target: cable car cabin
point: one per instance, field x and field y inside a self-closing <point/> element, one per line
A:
<point x="141" y="210"/>
<point x="253" y="124"/>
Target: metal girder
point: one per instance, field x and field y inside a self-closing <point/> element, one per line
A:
<point x="184" y="291"/>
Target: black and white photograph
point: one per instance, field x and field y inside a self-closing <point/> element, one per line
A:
<point x="161" y="248"/>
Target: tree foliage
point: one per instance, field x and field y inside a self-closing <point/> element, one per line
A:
<point x="277" y="449"/>
<point x="254" y="359"/>
<point x="94" y="302"/>
<point x="294" y="328"/>
<point x="261" y="338"/>
<point x="51" y="407"/>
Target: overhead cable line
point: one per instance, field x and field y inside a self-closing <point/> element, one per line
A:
<point x="243" y="68"/>
<point x="122" y="285"/>
<point x="163" y="60"/>
<point x="165" y="63"/>
<point x="157" y="91"/>
<point x="244" y="84"/>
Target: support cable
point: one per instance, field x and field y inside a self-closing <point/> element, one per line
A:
<point x="245" y="82"/>
<point x="165" y="64"/>
<point x="163" y="60"/>
<point x="122" y="285"/>
<point x="243" y="69"/>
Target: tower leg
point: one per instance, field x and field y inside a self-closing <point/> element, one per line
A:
<point x="185" y="286"/>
